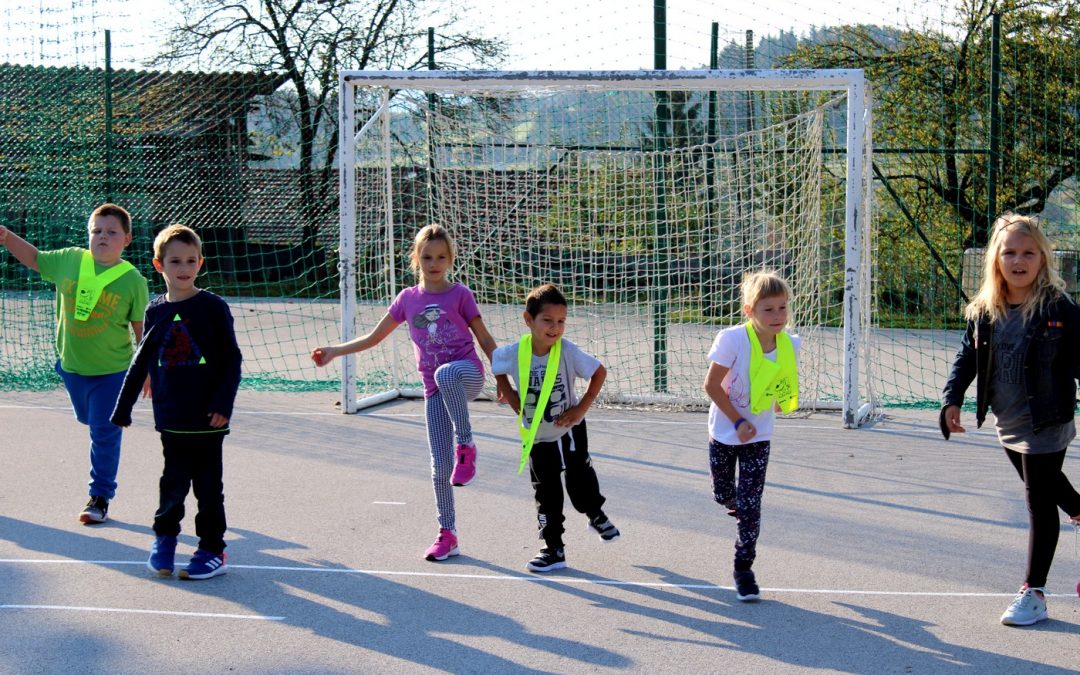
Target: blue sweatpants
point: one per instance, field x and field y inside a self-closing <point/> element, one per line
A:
<point x="93" y="398"/>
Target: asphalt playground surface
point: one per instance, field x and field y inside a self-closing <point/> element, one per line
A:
<point x="884" y="549"/>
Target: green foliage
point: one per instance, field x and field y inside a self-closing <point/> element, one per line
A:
<point x="931" y="90"/>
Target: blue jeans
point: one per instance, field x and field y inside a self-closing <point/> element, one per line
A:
<point x="93" y="398"/>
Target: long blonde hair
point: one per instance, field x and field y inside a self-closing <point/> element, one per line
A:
<point x="432" y="232"/>
<point x="991" y="300"/>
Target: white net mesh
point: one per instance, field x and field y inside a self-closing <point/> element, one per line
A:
<point x="648" y="234"/>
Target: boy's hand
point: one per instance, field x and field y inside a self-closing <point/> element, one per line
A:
<point x="217" y="420"/>
<point x="507" y="395"/>
<point x="146" y="390"/>
<point x="323" y="355"/>
<point x="3" y="235"/>
<point x="571" y="416"/>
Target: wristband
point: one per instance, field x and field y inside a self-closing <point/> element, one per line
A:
<point x="738" y="422"/>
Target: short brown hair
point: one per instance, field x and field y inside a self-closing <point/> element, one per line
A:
<point x="118" y="212"/>
<point x="177" y="232"/>
<point x="548" y="294"/>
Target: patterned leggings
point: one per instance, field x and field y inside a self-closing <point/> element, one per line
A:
<point x="753" y="460"/>
<point x="447" y="412"/>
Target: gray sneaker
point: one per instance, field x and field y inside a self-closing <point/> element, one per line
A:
<point x="1028" y="608"/>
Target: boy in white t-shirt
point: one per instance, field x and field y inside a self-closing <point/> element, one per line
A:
<point x="561" y="441"/>
<point x="752" y="371"/>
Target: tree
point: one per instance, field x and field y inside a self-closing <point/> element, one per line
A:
<point x="931" y="89"/>
<point x="309" y="41"/>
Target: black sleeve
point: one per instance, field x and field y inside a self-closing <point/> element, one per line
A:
<point x="222" y="400"/>
<point x="136" y="374"/>
<point x="963" y="370"/>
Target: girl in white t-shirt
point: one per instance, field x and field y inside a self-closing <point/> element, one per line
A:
<point x="752" y="370"/>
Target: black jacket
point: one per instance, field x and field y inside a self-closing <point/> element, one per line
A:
<point x="1052" y="356"/>
<point x="189" y="350"/>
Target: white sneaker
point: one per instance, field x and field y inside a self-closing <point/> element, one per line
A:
<point x="1028" y="608"/>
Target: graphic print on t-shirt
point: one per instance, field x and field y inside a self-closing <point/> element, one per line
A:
<point x="178" y="348"/>
<point x="557" y="403"/>
<point x="438" y="337"/>
<point x="1007" y="352"/>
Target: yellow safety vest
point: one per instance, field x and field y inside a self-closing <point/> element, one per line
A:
<point x="773" y="380"/>
<point x="91" y="284"/>
<point x="528" y="433"/>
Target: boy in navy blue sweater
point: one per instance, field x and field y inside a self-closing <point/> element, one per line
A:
<point x="189" y="351"/>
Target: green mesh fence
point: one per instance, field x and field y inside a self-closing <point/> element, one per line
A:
<point x="176" y="151"/>
<point x="214" y="144"/>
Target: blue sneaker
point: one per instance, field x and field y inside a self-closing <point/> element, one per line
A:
<point x="204" y="565"/>
<point x="161" y="556"/>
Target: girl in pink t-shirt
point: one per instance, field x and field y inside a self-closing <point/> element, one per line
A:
<point x="440" y="314"/>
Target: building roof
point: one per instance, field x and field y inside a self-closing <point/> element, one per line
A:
<point x="145" y="102"/>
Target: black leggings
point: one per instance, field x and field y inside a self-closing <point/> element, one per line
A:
<point x="1047" y="488"/>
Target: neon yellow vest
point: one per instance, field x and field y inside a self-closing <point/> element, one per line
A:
<point x="528" y="434"/>
<point x="91" y="285"/>
<point x="773" y="380"/>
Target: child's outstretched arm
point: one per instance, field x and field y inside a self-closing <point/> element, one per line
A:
<point x="24" y="251"/>
<point x="714" y="388"/>
<point x="572" y="416"/>
<point x="324" y="355"/>
<point x="487" y="343"/>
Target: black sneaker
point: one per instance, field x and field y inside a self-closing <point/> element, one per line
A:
<point x="548" y="559"/>
<point x="746" y="588"/>
<point x="96" y="511"/>
<point x="604" y="527"/>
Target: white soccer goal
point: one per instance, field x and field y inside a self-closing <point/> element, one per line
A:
<point x="645" y="195"/>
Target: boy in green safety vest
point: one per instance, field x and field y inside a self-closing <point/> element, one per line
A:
<point x="551" y="420"/>
<point x="98" y="296"/>
<point x="753" y="372"/>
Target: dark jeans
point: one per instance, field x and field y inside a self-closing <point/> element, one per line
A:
<point x="192" y="460"/>
<point x="745" y="495"/>
<point x="1047" y="488"/>
<point x="546" y="462"/>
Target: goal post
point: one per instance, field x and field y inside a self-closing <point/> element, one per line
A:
<point x="566" y="176"/>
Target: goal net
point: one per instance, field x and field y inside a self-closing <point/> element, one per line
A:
<point x="645" y="196"/>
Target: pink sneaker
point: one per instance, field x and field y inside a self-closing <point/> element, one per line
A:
<point x="445" y="546"/>
<point x="464" y="465"/>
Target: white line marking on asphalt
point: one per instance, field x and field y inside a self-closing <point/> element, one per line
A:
<point x="123" y="610"/>
<point x="540" y="579"/>
<point x="389" y="503"/>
